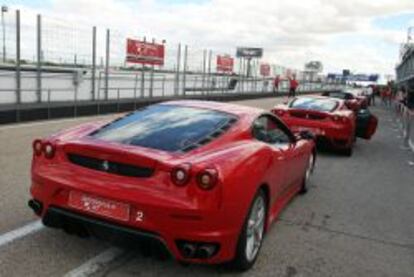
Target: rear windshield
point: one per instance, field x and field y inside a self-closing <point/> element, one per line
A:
<point x="165" y="127"/>
<point x="314" y="104"/>
<point x="338" y="95"/>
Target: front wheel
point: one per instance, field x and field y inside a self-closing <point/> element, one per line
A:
<point x="251" y="237"/>
<point x="308" y="173"/>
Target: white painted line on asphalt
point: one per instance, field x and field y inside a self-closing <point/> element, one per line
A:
<point x="95" y="264"/>
<point x="20" y="232"/>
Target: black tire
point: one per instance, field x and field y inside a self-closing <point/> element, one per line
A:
<point x="348" y="151"/>
<point x="310" y="168"/>
<point x="241" y="262"/>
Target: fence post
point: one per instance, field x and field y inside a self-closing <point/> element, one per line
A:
<point x="39" y="59"/>
<point x="177" y="76"/>
<point x="93" y="63"/>
<point x="75" y="108"/>
<point x="18" y="73"/>
<point x="142" y="81"/>
<point x="107" y="63"/>
<point x="117" y="103"/>
<point x="185" y="68"/>
<point x="163" y="85"/>
<point x="135" y="91"/>
<point x="203" y="78"/>
<point x="209" y="85"/>
<point x="151" y="88"/>
<point x="48" y="104"/>
<point x="3" y="10"/>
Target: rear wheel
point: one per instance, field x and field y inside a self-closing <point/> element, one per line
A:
<point x="251" y="237"/>
<point x="348" y="151"/>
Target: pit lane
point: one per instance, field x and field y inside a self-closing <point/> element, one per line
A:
<point x="356" y="220"/>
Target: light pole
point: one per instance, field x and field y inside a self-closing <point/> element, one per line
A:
<point x="4" y="9"/>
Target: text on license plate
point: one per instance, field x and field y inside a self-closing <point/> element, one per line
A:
<point x="99" y="206"/>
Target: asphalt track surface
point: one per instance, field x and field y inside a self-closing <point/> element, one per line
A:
<point x="356" y="220"/>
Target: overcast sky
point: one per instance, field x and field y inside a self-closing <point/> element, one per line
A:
<point x="362" y="35"/>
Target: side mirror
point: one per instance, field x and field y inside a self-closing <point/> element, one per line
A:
<point x="307" y="135"/>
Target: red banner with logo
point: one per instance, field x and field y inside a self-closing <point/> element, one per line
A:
<point x="265" y="69"/>
<point x="225" y="63"/>
<point x="145" y="52"/>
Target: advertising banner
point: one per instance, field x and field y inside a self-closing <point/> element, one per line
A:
<point x="265" y="69"/>
<point x="225" y="63"/>
<point x="145" y="52"/>
<point x="249" y="52"/>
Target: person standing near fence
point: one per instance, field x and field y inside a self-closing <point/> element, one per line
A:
<point x="276" y="82"/>
<point x="293" y="83"/>
<point x="386" y="95"/>
<point x="375" y="92"/>
<point x="369" y="95"/>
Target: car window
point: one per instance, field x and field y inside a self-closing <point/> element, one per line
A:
<point x="267" y="129"/>
<point x="338" y="95"/>
<point x="315" y="104"/>
<point x="166" y="127"/>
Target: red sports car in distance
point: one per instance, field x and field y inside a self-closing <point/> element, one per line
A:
<point x="351" y="98"/>
<point x="202" y="179"/>
<point x="329" y="119"/>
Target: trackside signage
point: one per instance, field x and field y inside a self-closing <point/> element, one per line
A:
<point x="265" y="69"/>
<point x="248" y="52"/>
<point x="225" y="63"/>
<point x="145" y="52"/>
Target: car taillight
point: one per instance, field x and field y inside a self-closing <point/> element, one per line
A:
<point x="338" y="118"/>
<point x="180" y="175"/>
<point x="37" y="147"/>
<point x="49" y="150"/>
<point x="207" y="178"/>
<point x="278" y="112"/>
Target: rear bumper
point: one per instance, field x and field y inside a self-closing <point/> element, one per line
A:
<point x="331" y="135"/>
<point x="164" y="226"/>
<point x="336" y="143"/>
<point x="86" y="225"/>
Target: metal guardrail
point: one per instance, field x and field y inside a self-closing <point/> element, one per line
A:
<point x="405" y="120"/>
<point x="121" y="100"/>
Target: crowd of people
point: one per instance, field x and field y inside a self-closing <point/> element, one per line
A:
<point x="387" y="94"/>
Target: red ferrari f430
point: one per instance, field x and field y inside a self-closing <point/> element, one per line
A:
<point x="202" y="179"/>
<point x="331" y="120"/>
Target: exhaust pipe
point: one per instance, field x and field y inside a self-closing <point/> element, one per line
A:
<point x="188" y="250"/>
<point x="36" y="206"/>
<point x="206" y="251"/>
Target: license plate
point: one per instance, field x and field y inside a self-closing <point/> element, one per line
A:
<point x="99" y="206"/>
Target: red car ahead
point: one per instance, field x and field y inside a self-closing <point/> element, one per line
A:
<point x="351" y="98"/>
<point x="330" y="119"/>
<point x="204" y="179"/>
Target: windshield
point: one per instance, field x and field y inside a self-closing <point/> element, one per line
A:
<point x="164" y="127"/>
<point x="338" y="95"/>
<point x="314" y="104"/>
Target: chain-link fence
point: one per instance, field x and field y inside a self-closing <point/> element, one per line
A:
<point x="47" y="59"/>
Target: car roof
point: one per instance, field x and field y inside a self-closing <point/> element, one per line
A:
<point x="238" y="110"/>
<point x="321" y="97"/>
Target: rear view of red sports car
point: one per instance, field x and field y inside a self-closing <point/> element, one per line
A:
<point x="329" y="119"/>
<point x="351" y="98"/>
<point x="202" y="179"/>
